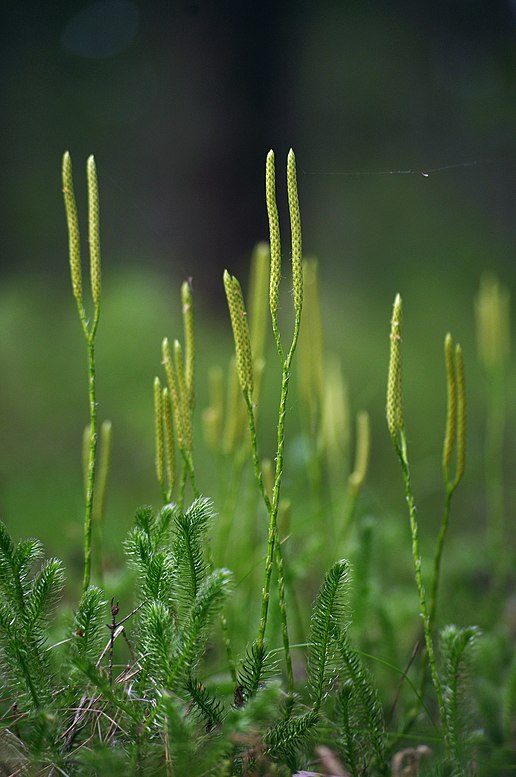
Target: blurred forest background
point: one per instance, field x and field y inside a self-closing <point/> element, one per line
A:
<point x="403" y="118"/>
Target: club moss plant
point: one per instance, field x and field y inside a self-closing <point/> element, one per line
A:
<point x="188" y="678"/>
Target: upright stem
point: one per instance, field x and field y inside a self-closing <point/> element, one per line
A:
<point x="254" y="450"/>
<point x="414" y="531"/>
<point x="495" y="428"/>
<point x="277" y="485"/>
<point x="92" y="450"/>
<point x="438" y="554"/>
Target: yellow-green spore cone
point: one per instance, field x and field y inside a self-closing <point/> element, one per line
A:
<point x="461" y="414"/>
<point x="74" y="243"/>
<point x="158" y="432"/>
<point x="274" y="232"/>
<point x="188" y="326"/>
<point x="451" y="405"/>
<point x="240" y="328"/>
<point x="395" y="421"/>
<point x="93" y="230"/>
<point x="295" y="229"/>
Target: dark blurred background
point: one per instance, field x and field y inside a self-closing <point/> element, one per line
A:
<point x="402" y="116"/>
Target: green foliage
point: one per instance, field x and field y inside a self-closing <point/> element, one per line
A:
<point x="189" y="549"/>
<point x="456" y="647"/>
<point x="26" y="603"/>
<point x="88" y="625"/>
<point x="287" y="738"/>
<point x="151" y="686"/>
<point x="360" y="712"/>
<point x="252" y="671"/>
<point x="325" y="627"/>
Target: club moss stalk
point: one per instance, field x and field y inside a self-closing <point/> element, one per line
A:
<point x="357" y="477"/>
<point x="492" y="308"/>
<point x="335" y="433"/>
<point x="273" y="543"/>
<point x="454" y="439"/>
<point x="99" y="502"/>
<point x="396" y="426"/>
<point x="212" y="415"/>
<point x="89" y="329"/>
<point x="258" y="285"/>
<point x="174" y="370"/>
<point x="311" y="367"/>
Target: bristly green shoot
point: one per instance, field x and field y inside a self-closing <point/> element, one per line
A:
<point x="89" y="329"/>
<point x="328" y="618"/>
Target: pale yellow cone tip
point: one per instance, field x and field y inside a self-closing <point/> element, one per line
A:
<point x="67" y="164"/>
<point x="91" y="161"/>
<point x="270" y="156"/>
<point x="165" y="348"/>
<point x="291" y="154"/>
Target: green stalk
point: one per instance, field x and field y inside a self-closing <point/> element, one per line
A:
<point x="396" y="426"/>
<point x="416" y="556"/>
<point x="496" y="529"/>
<point x="273" y="529"/>
<point x="274" y="548"/>
<point x="92" y="451"/>
<point x="454" y="438"/>
<point x="89" y="331"/>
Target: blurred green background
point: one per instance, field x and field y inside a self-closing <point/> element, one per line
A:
<point x="180" y="102"/>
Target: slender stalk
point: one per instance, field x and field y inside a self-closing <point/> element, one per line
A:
<point x="254" y="450"/>
<point x="92" y="452"/>
<point x="414" y="532"/>
<point x="277" y="485"/>
<point x="496" y="530"/>
<point x="396" y="426"/>
<point x="99" y="501"/>
<point x="189" y="466"/>
<point x="277" y="549"/>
